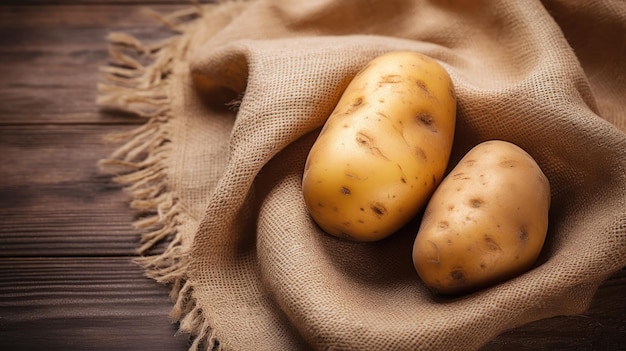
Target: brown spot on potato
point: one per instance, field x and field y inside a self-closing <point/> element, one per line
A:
<point x="358" y="102"/>
<point x="470" y="162"/>
<point x="460" y="176"/>
<point x="378" y="209"/>
<point x="400" y="129"/>
<point x="403" y="176"/>
<point x="421" y="154"/>
<point x="492" y="245"/>
<point x="360" y="221"/>
<point x="482" y="180"/>
<point x="345" y="191"/>
<point x="391" y="79"/>
<point x="523" y="233"/>
<point x="443" y="225"/>
<point x="457" y="275"/>
<point x="354" y="176"/>
<point x="427" y="120"/>
<point x="476" y="203"/>
<point x="366" y="141"/>
<point x="508" y="163"/>
<point x="382" y="115"/>
<point x="423" y="86"/>
<point x="319" y="204"/>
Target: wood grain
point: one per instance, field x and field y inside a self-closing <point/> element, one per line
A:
<point x="83" y="303"/>
<point x="54" y="200"/>
<point x="50" y="58"/>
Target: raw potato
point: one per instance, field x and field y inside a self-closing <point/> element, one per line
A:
<point x="384" y="148"/>
<point x="485" y="223"/>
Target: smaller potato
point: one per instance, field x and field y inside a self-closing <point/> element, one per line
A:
<point x="486" y="222"/>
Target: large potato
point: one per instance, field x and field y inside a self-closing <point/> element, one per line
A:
<point x="486" y="222"/>
<point x="384" y="148"/>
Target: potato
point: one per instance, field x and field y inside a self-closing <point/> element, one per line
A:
<point x="485" y="223"/>
<point x="384" y="148"/>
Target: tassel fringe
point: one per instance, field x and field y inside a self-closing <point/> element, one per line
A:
<point x="136" y="81"/>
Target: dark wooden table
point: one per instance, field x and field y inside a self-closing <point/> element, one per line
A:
<point x="67" y="281"/>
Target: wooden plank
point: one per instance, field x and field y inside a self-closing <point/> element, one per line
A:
<point x="103" y="17"/>
<point x="83" y="304"/>
<point x="53" y="154"/>
<point x="50" y="58"/>
<point x="119" y="333"/>
<point x="54" y="201"/>
<point x="63" y="233"/>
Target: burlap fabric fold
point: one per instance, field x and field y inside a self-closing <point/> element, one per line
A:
<point x="234" y="101"/>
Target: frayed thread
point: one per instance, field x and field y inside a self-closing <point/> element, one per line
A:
<point x="136" y="81"/>
<point x="192" y="321"/>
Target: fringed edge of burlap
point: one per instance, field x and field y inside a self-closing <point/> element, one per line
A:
<point x="136" y="81"/>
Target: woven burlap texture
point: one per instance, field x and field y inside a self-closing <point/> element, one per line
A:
<point x="233" y="104"/>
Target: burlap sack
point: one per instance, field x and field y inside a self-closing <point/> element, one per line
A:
<point x="234" y="103"/>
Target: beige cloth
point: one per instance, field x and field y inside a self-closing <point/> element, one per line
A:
<point x="249" y="269"/>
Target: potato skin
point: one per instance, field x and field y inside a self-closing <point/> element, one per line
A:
<point x="485" y="223"/>
<point x="384" y="148"/>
